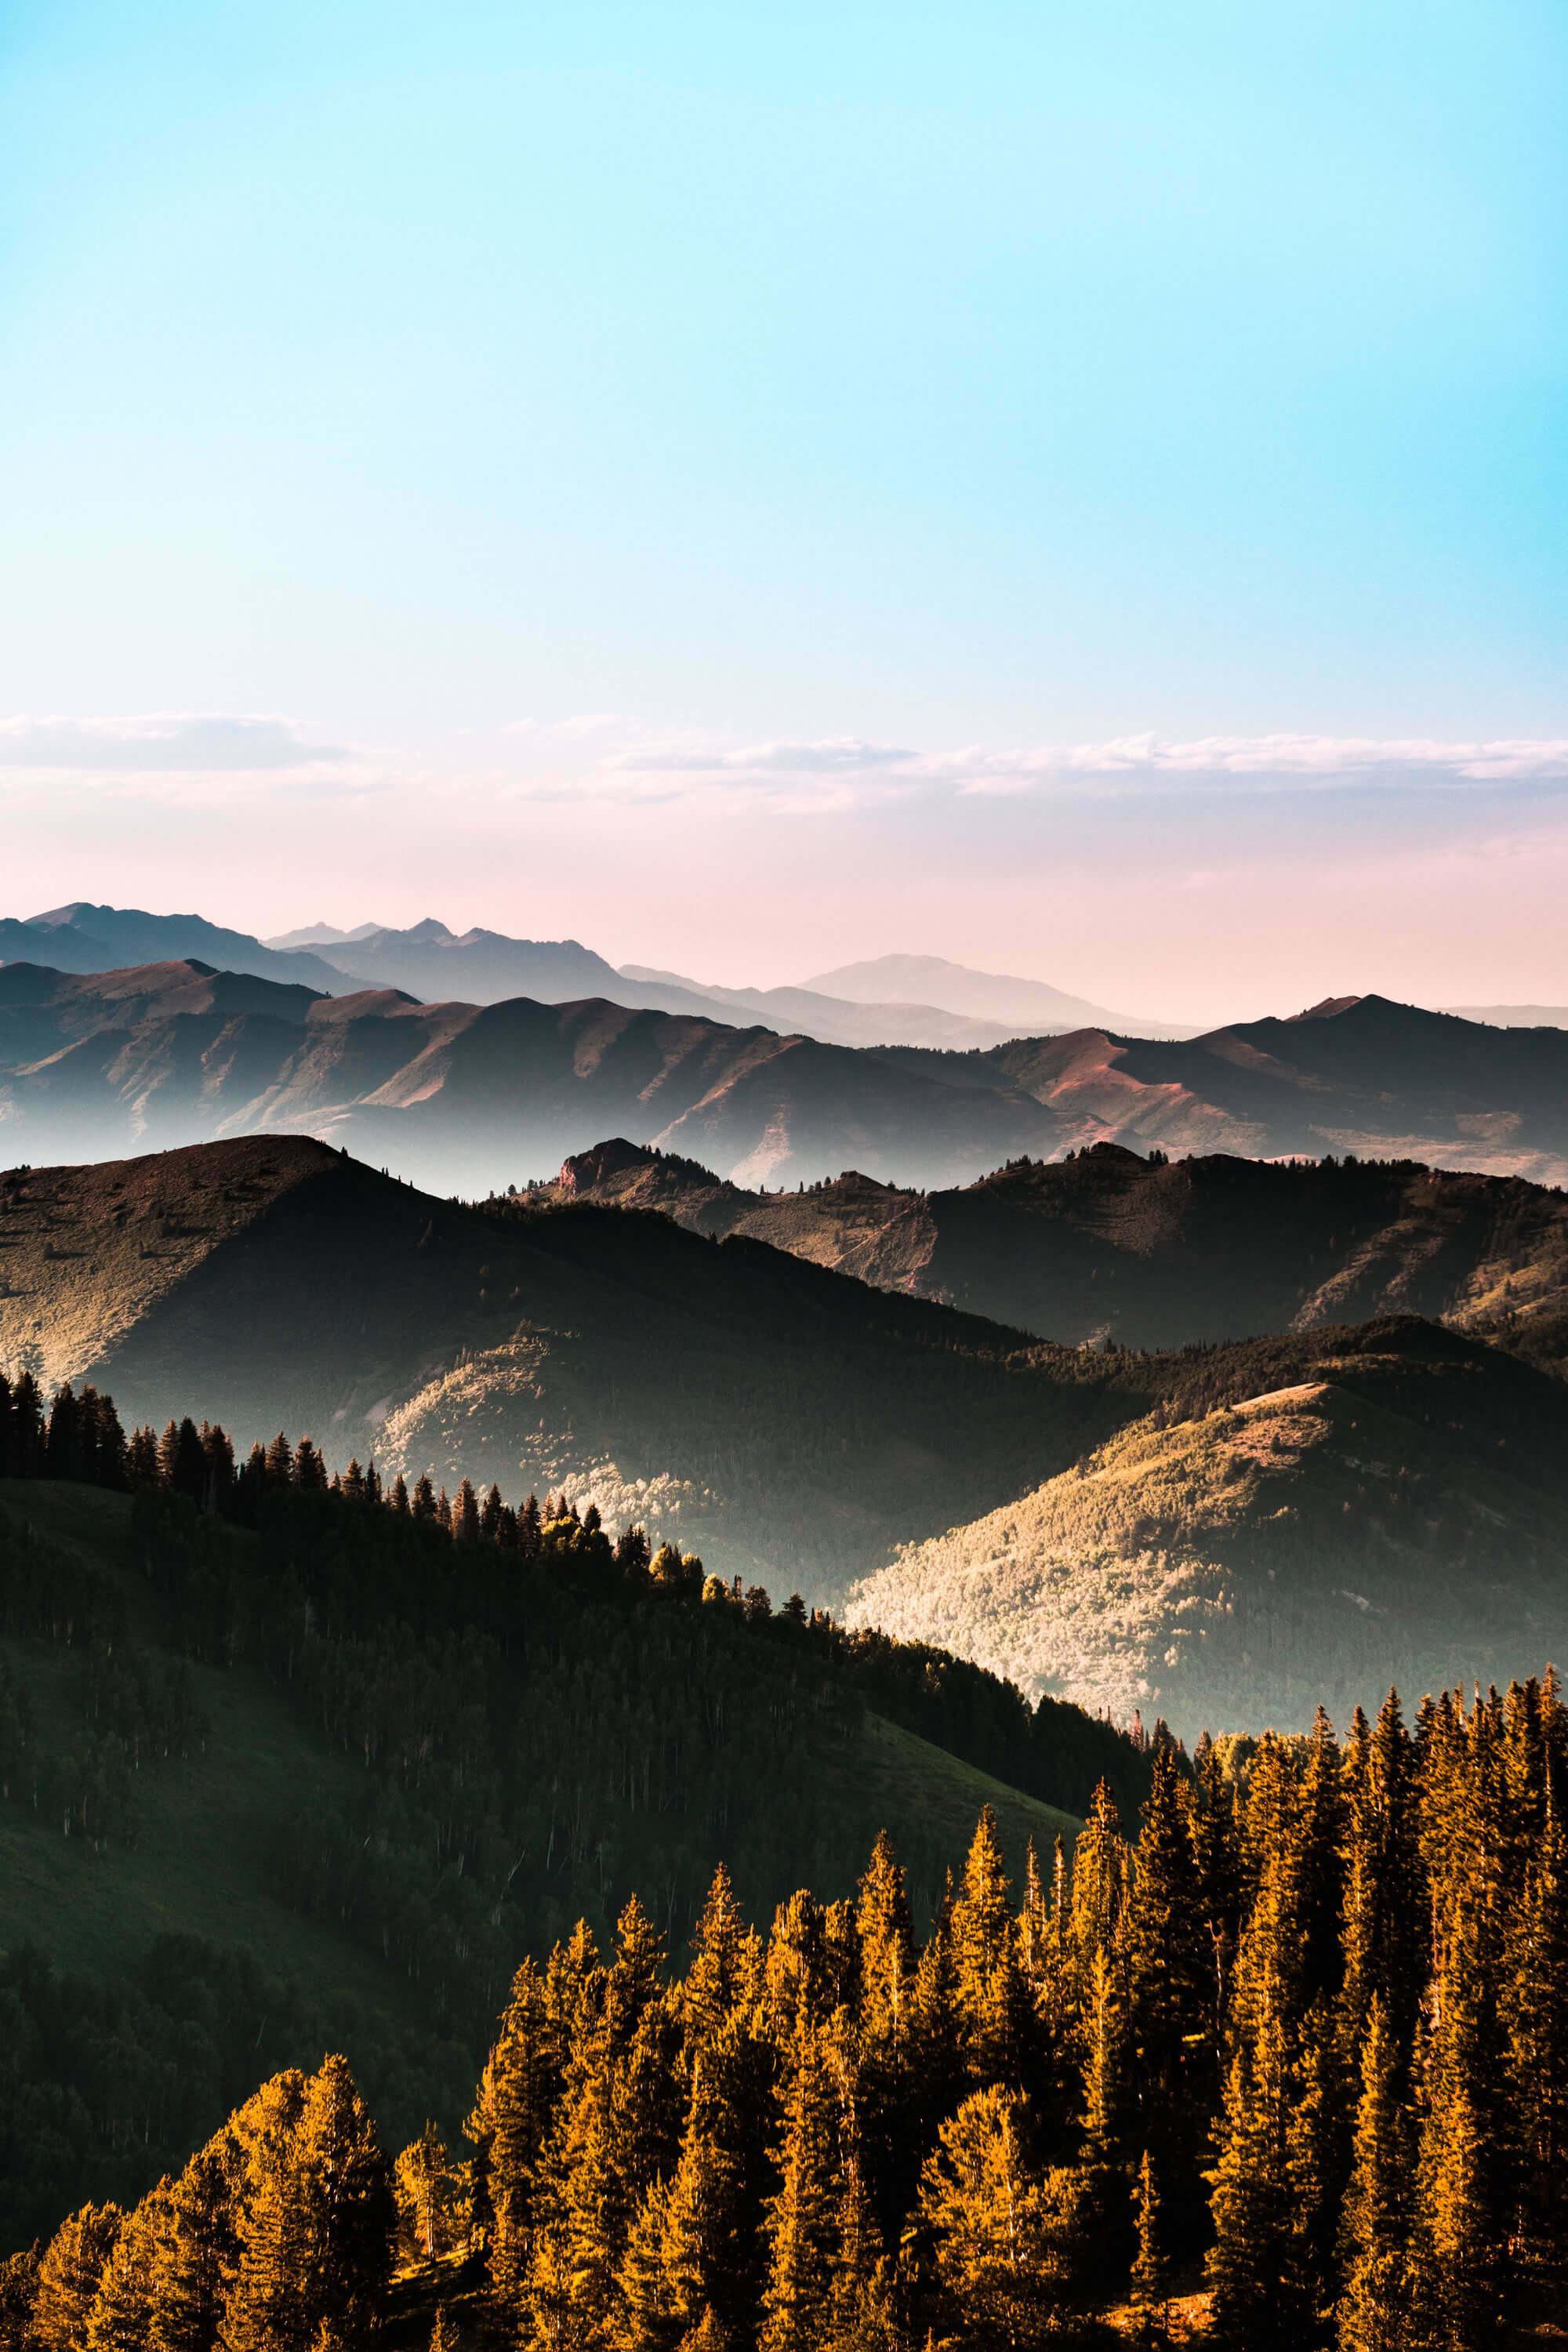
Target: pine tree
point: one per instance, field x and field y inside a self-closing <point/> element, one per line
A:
<point x="466" y="1515"/>
<point x="120" y="2316"/>
<point x="1151" y="2267"/>
<point x="982" y="2206"/>
<point x="1257" y="2296"/>
<point x="69" y="2274"/>
<point x="1170" y="1961"/>
<point x="509" y="2127"/>
<point x="1374" y="2311"/>
<point x="795" y="1975"/>
<point x="987" y="1990"/>
<point x="315" y="2243"/>
<point x="424" y="2186"/>
<point x="1100" y="1866"/>
<point x="1454" y="2249"/>
<point x="195" y="2244"/>
<point x="713" y="1981"/>
<point x="1534" y="2015"/>
<point x="802" y="2228"/>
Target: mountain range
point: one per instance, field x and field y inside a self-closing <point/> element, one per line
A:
<point x="464" y="1098"/>
<point x="1211" y="1533"/>
<point x="1106" y="1245"/>
<point x="482" y="967"/>
<point x="474" y="1098"/>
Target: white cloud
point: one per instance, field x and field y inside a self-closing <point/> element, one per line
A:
<point x="604" y="757"/>
<point x="161" y="743"/>
<point x="835" y="756"/>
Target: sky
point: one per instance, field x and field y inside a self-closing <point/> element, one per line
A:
<point x="1078" y="490"/>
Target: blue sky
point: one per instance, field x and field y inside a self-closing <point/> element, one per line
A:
<point x="745" y="465"/>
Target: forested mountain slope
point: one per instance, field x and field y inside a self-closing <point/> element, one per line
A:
<point x="1389" y="1505"/>
<point x="333" y="1777"/>
<point x="795" y="1421"/>
<point x="1151" y="1253"/>
<point x="796" y="1426"/>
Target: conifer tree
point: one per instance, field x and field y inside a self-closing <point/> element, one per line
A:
<point x="802" y="2228"/>
<point x="982" y="2206"/>
<point x="1534" y="2017"/>
<point x="986" y="1987"/>
<point x="1170" y="1957"/>
<point x="466" y="1515"/>
<point x="713" y="1981"/>
<point x="194" y="2246"/>
<point x="68" y="2275"/>
<point x="509" y="2127"/>
<point x="120" y="2316"/>
<point x="1375" y="2308"/>
<point x="1455" y="2246"/>
<point x="1251" y="2267"/>
<point x="1152" y="2266"/>
<point x="1099" y="1874"/>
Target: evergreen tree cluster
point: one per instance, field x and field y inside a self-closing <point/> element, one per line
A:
<point x="275" y="2237"/>
<point x="1300" y="2041"/>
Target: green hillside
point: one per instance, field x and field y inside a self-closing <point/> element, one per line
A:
<point x="229" y="1869"/>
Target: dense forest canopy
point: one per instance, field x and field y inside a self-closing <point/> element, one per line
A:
<point x="1292" y="2056"/>
<point x="498" y="1720"/>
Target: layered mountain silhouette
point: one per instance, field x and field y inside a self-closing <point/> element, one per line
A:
<point x="834" y="1019"/>
<point x="428" y="959"/>
<point x="1151" y="1253"/>
<point x="1358" y="1074"/>
<point x="472" y="1098"/>
<point x="465" y="1097"/>
<point x="1022" y="1007"/>
<point x="775" y="1415"/>
<point x="1217" y="1534"/>
<point x="83" y="938"/>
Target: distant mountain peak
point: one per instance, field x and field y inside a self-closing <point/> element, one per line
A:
<point x="1329" y="1008"/>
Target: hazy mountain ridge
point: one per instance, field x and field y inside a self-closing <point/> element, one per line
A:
<point x="1356" y="1073"/>
<point x="1068" y="1515"/>
<point x="1023" y="1007"/>
<point x="465" y="1097"/>
<point x="733" y="1392"/>
<point x="479" y="1098"/>
<point x="485" y="967"/>
<point x="832" y="1019"/>
<point x="1156" y="1254"/>
<point x="84" y="938"/>
<point x="1343" y="1528"/>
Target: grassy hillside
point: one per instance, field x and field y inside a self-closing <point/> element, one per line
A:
<point x="1231" y="1564"/>
<point x="295" y="1866"/>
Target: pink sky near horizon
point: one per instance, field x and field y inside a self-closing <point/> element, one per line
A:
<point x="1160" y="891"/>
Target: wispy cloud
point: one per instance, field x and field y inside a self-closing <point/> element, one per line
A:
<point x="836" y="756"/>
<point x="606" y="758"/>
<point x="161" y="743"/>
<point x="1266" y="756"/>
